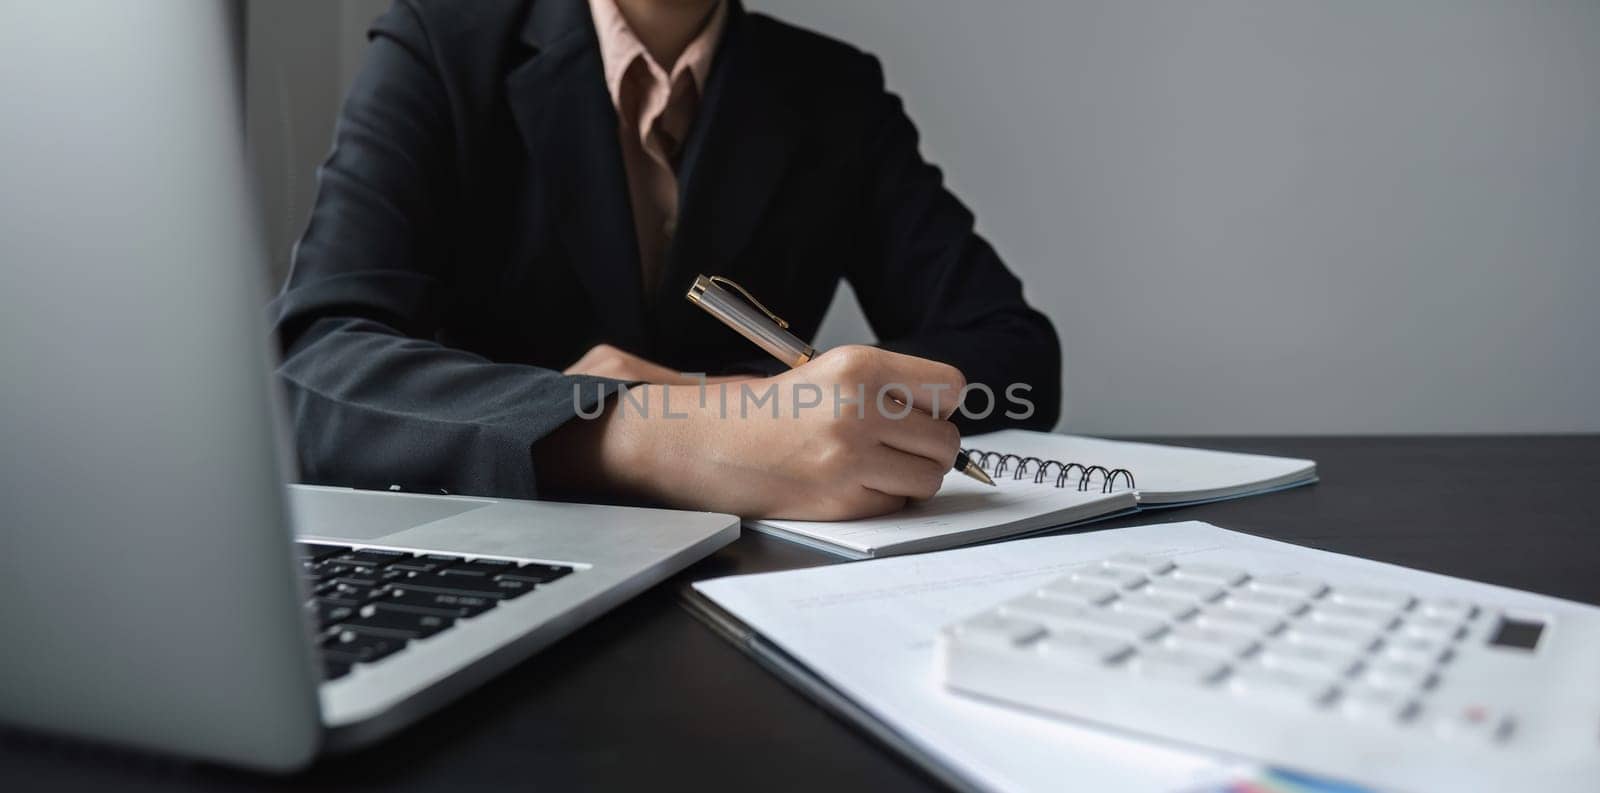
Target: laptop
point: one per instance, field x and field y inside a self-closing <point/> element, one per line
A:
<point x="164" y="588"/>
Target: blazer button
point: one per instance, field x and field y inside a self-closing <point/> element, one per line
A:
<point x="669" y="228"/>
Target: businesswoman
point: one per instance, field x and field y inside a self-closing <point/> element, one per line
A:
<point x="518" y="196"/>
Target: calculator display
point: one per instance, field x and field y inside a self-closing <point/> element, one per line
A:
<point x="1516" y="634"/>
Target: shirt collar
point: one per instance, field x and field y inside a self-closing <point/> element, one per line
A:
<point x="619" y="47"/>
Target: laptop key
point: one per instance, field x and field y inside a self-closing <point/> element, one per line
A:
<point x="353" y="647"/>
<point x="369" y="557"/>
<point x="538" y="573"/>
<point x="317" y="552"/>
<point x="332" y="612"/>
<point x="408" y="624"/>
<point x="395" y="575"/>
<point x="347" y="593"/>
<point x="500" y="589"/>
<point x="480" y="567"/>
<point x="442" y="603"/>
<point x="438" y="558"/>
<point x="421" y="565"/>
<point x="353" y="579"/>
<point x="328" y="568"/>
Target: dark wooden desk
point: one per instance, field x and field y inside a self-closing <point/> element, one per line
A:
<point x="648" y="698"/>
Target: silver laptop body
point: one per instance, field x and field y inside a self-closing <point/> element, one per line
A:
<point x="151" y="593"/>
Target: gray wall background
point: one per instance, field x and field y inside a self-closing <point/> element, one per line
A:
<point x="300" y="56"/>
<point x="1352" y="216"/>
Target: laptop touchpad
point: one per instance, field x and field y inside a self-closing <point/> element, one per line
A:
<point x="365" y="515"/>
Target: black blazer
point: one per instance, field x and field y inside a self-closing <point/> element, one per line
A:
<point x="472" y="236"/>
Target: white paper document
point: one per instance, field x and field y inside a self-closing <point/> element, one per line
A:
<point x="866" y="632"/>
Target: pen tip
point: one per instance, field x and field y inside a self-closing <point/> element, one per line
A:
<point x="977" y="473"/>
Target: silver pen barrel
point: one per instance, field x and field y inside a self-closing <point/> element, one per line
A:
<point x="761" y="329"/>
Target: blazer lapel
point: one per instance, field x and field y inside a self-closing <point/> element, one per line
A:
<point x="564" y="115"/>
<point x="733" y="162"/>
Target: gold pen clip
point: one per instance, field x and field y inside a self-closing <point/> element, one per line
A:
<point x="735" y="307"/>
<point x="717" y="279"/>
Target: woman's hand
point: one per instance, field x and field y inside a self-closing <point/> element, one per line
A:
<point x="814" y="443"/>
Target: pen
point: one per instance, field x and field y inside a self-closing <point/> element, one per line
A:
<point x="769" y="332"/>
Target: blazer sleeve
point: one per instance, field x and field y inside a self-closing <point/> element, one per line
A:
<point x="931" y="287"/>
<point x="375" y="400"/>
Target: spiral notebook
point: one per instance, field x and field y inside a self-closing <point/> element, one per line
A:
<point x="1048" y="481"/>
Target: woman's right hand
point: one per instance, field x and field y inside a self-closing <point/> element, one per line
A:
<point x="785" y="446"/>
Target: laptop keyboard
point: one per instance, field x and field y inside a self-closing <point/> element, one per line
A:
<point x="369" y="603"/>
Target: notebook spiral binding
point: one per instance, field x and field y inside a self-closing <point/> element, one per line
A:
<point x="997" y="463"/>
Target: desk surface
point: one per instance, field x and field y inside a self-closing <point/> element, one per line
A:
<point x="647" y="697"/>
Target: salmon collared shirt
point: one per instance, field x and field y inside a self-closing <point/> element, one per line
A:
<point x="655" y="109"/>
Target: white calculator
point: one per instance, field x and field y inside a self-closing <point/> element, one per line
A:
<point x="1377" y="685"/>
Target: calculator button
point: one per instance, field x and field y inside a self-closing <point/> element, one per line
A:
<point x="1252" y="622"/>
<point x="1373" y="598"/>
<point x="1226" y="644"/>
<point x="1046" y="611"/>
<point x="1294" y="586"/>
<point x="1198" y="590"/>
<point x="1078" y="592"/>
<point x="1361" y="616"/>
<point x="1279" y="685"/>
<point x="1434" y="628"/>
<point x="1449" y="609"/>
<point x="1067" y="616"/>
<point x="1317" y="661"/>
<point x="1078" y="647"/>
<point x="1365" y="703"/>
<point x="1263" y="601"/>
<point x="1424" y="652"/>
<point x="1211" y="574"/>
<point x="1139" y="563"/>
<point x="1170" y="608"/>
<point x="997" y="631"/>
<point x="1346" y="638"/>
<point x="1110" y="576"/>
<point x="1473" y="723"/>
<point x="1177" y="665"/>
<point x="1401" y="676"/>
